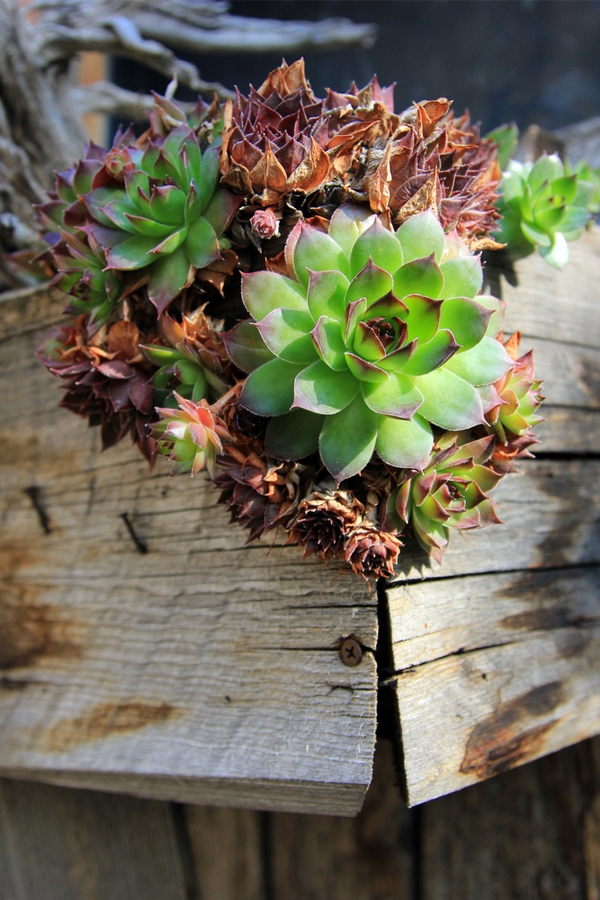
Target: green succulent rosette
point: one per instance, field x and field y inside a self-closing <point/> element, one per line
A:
<point x="450" y="493"/>
<point x="375" y="338"/>
<point x="189" y="436"/>
<point x="544" y="207"/>
<point x="168" y="216"/>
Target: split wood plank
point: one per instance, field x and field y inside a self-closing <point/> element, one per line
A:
<point x="496" y="654"/>
<point x="204" y="670"/>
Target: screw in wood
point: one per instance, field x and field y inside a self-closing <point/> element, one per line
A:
<point x="34" y="495"/>
<point x="351" y="652"/>
<point x="140" y="545"/>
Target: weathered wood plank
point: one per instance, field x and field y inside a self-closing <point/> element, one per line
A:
<point x="81" y="845"/>
<point x="203" y="670"/>
<point x="519" y="836"/>
<point x="370" y="858"/>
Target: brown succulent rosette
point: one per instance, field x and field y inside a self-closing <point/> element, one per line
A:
<point x="372" y="553"/>
<point x="324" y="518"/>
<point x="274" y="140"/>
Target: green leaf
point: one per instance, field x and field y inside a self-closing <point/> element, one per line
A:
<point x="140" y="225"/>
<point x="482" y="364"/>
<point x="326" y="295"/>
<point x="364" y="370"/>
<point x="467" y="320"/>
<point x="286" y="332"/>
<point x="167" y="204"/>
<point x="319" y="389"/>
<point x="316" y="251"/>
<point x="246" y="347"/>
<point x="132" y="253"/>
<point x="348" y="439"/>
<point x="565" y="187"/>
<point x="546" y="168"/>
<point x="380" y="246"/>
<point x="269" y="390"/>
<point x="420" y="236"/>
<point x="201" y="244"/>
<point x="449" y="401"/>
<point x="558" y="254"/>
<point x="371" y="283"/>
<point x="431" y="355"/>
<point x="576" y="217"/>
<point x="550" y="219"/>
<point x="463" y="277"/>
<point x="366" y="343"/>
<point x="221" y="210"/>
<point x="328" y="340"/>
<point x="168" y="276"/>
<point x="193" y="206"/>
<point x="536" y="235"/>
<point x="403" y="443"/>
<point x="397" y="397"/>
<point x="207" y="182"/>
<point x="420" y="276"/>
<point x="347" y="224"/>
<point x="423" y="317"/>
<point x="262" y="292"/>
<point x="506" y="137"/>
<point x="293" y="435"/>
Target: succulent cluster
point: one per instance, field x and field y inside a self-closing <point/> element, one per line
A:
<point x="544" y="203"/>
<point x="286" y="292"/>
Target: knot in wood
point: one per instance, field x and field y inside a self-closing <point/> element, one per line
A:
<point x="351" y="652"/>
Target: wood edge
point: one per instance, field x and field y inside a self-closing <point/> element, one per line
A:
<point x="331" y="799"/>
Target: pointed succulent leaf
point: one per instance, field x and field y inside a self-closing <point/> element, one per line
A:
<point x="550" y="219"/>
<point x="319" y="389"/>
<point x="269" y="390"/>
<point x="397" y="359"/>
<point x="246" y="347"/>
<point x="565" y="187"/>
<point x="364" y="370"/>
<point x="193" y="205"/>
<point x="545" y="169"/>
<point x="506" y="137"/>
<point x="467" y="319"/>
<point x="262" y="292"/>
<point x="168" y="276"/>
<point x="557" y="255"/>
<point x="201" y="243"/>
<point x="221" y="209"/>
<point x="483" y="364"/>
<point x="463" y="277"/>
<point x="132" y="253"/>
<point x="328" y="341"/>
<point x="433" y="354"/>
<point x="293" y="435"/>
<point x="317" y="251"/>
<point x="404" y="443"/>
<point x="423" y="317"/>
<point x="326" y="294"/>
<point x="380" y="246"/>
<point x="367" y="344"/>
<point x="171" y="243"/>
<point x="372" y="283"/>
<point x="397" y="397"/>
<point x="141" y="225"/>
<point x="576" y="217"/>
<point x="449" y="401"/>
<point x="535" y="235"/>
<point x="167" y="205"/>
<point x="420" y="276"/>
<point x="348" y="439"/>
<point x="354" y="313"/>
<point x="347" y="224"/>
<point x="286" y="332"/>
<point x="420" y="236"/>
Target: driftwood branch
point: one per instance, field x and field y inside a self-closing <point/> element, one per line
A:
<point x="41" y="106"/>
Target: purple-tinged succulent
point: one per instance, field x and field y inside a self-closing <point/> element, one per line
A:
<point x="374" y="338"/>
<point x="451" y="492"/>
<point x="190" y="437"/>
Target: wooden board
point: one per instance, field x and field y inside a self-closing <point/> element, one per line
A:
<point x="204" y="670"/>
<point x="495" y="656"/>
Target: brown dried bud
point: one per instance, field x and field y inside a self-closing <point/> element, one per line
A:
<point x="265" y="224"/>
<point x="323" y="521"/>
<point x="372" y="553"/>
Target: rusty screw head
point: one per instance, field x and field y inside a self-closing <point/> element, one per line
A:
<point x="350" y="652"/>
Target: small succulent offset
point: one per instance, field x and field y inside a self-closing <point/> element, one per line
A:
<point x="544" y="204"/>
<point x="374" y="339"/>
<point x="358" y="388"/>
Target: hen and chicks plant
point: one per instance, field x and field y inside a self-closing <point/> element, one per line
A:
<point x="286" y="292"/>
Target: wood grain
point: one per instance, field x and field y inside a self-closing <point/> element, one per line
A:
<point x="496" y="656"/>
<point x="204" y="670"/>
<point x="82" y="845"/>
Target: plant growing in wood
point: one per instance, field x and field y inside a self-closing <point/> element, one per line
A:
<point x="287" y="293"/>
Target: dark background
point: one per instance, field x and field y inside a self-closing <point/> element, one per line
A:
<point x="523" y="60"/>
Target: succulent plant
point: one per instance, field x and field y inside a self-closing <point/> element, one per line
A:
<point x="190" y="436"/>
<point x="110" y="385"/>
<point x="543" y="207"/>
<point x="167" y="217"/>
<point x="451" y="492"/>
<point x="323" y="521"/>
<point x="195" y="363"/>
<point x="273" y="141"/>
<point x="519" y="396"/>
<point x="370" y="552"/>
<point x="375" y="338"/>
